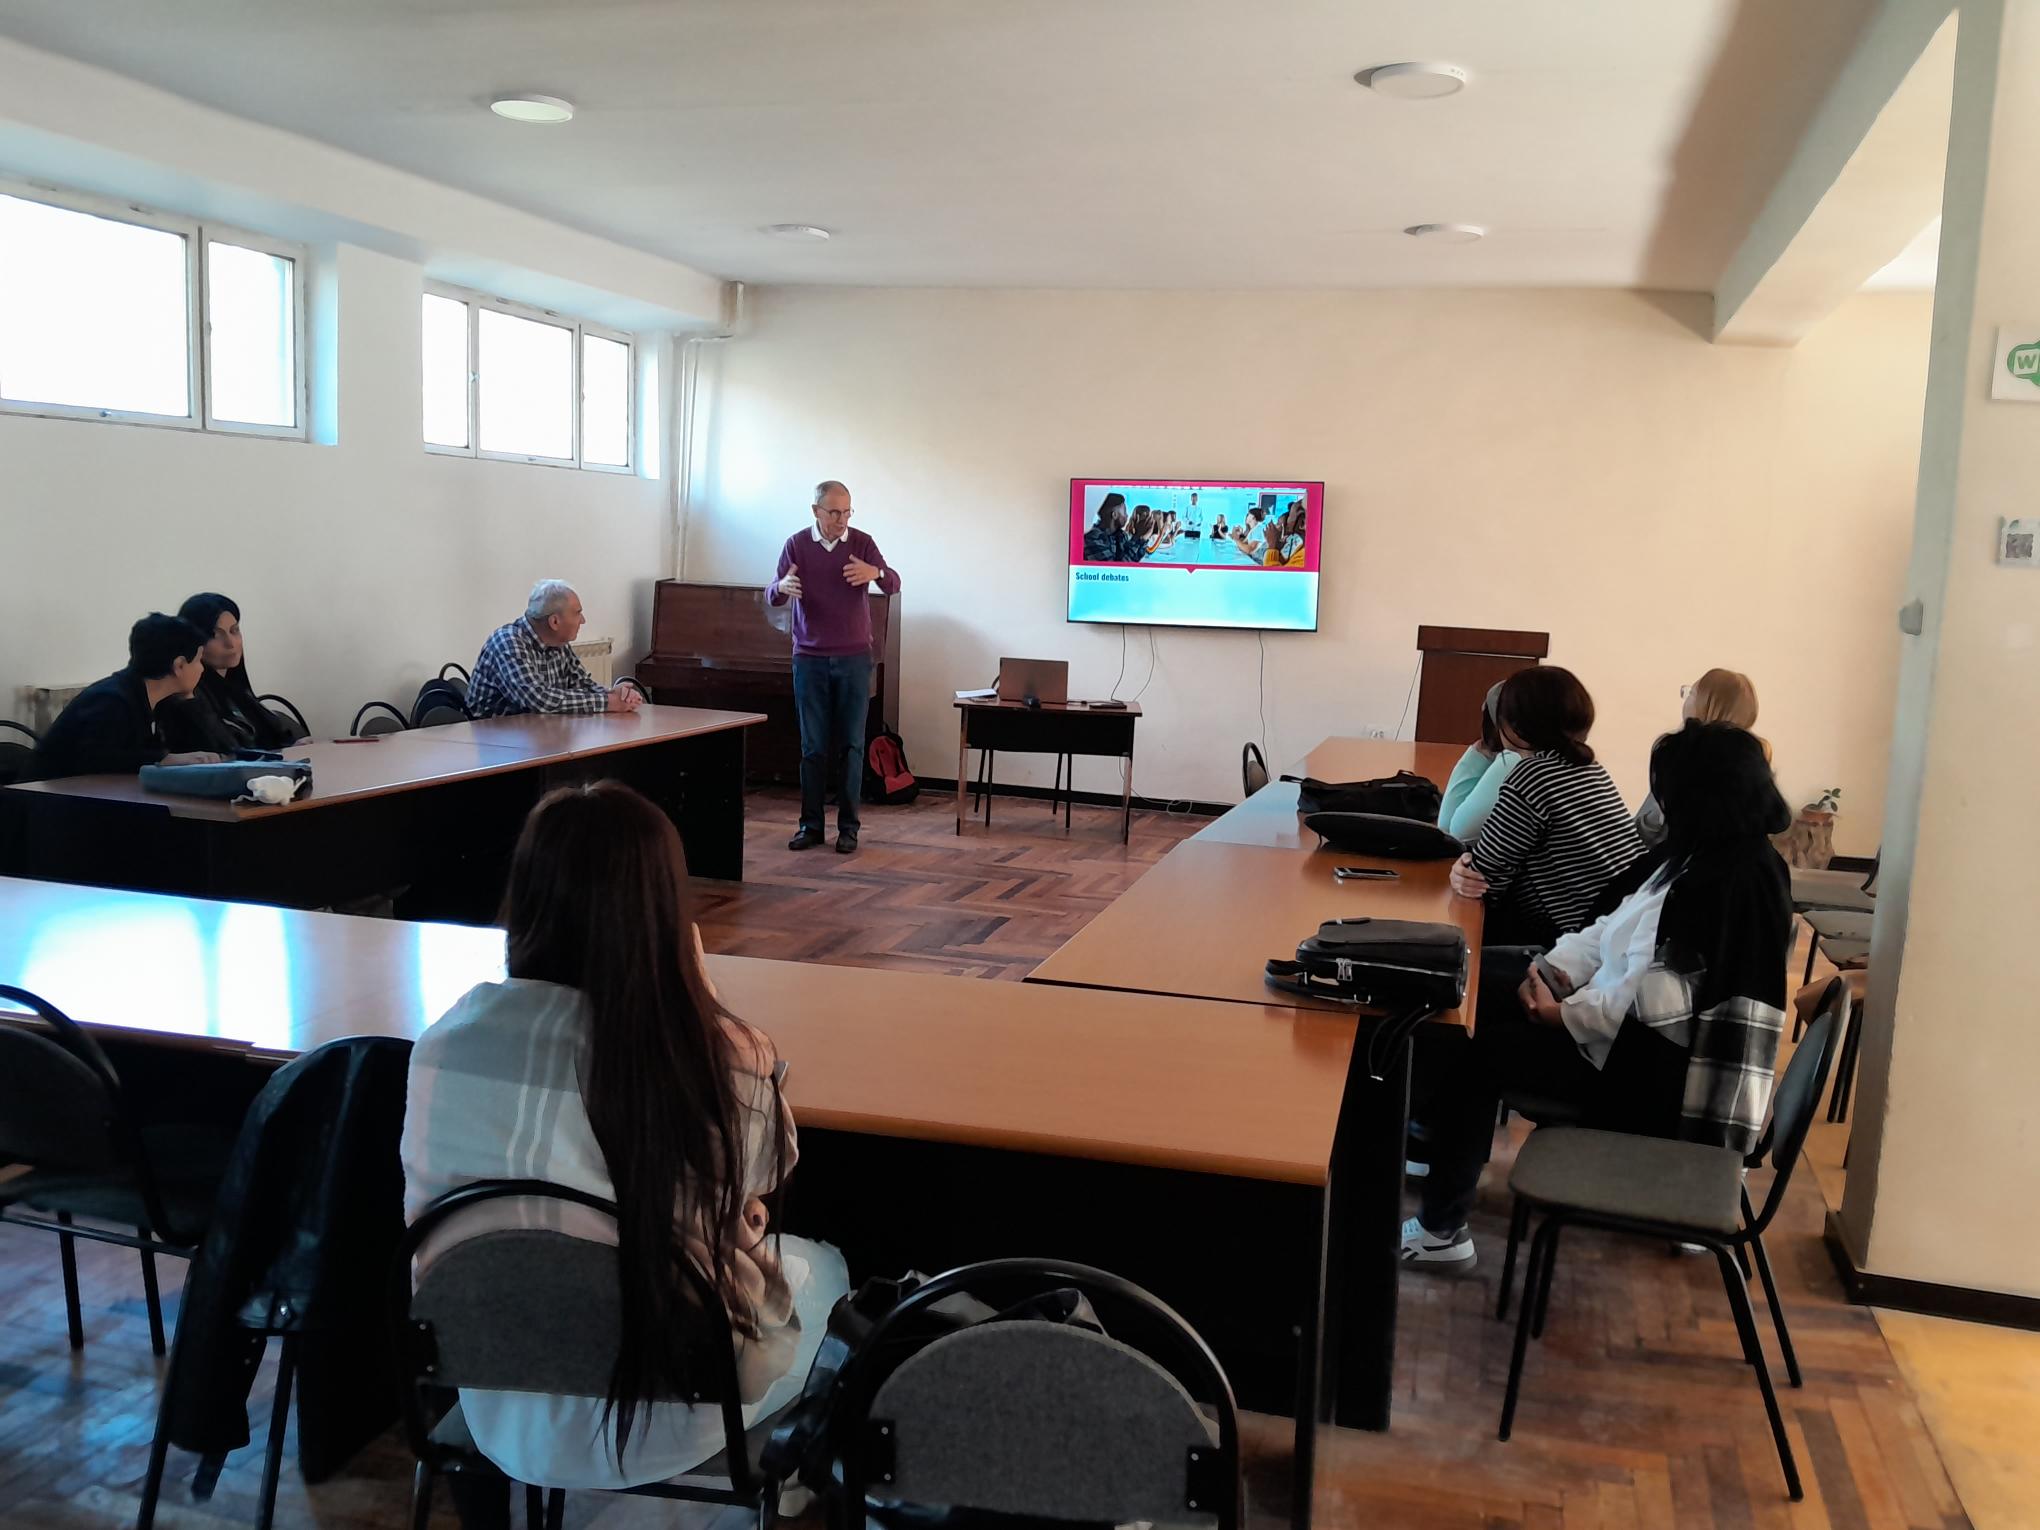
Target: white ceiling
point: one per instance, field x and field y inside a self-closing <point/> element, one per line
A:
<point x="1066" y="143"/>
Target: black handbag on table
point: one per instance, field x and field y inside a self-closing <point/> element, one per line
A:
<point x="1402" y="795"/>
<point x="1389" y="837"/>
<point x="1387" y="964"/>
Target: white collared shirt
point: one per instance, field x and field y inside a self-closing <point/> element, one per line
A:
<point x="828" y="545"/>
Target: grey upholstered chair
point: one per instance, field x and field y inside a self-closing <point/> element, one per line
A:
<point x="1253" y="769"/>
<point x="1681" y="1192"/>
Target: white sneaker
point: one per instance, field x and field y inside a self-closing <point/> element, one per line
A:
<point x="1420" y="1246"/>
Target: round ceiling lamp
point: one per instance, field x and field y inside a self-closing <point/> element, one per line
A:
<point x="1414" y="82"/>
<point x="1447" y="233"/>
<point x="531" y="108"/>
<point x="806" y="232"/>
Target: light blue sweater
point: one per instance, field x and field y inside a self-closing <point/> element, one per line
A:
<point x="1471" y="790"/>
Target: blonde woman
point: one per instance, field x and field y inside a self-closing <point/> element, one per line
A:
<point x="1720" y="695"/>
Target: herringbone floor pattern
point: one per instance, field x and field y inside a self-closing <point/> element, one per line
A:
<point x="1637" y="1411"/>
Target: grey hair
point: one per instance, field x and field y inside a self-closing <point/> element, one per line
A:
<point x="549" y="597"/>
<point x="826" y="486"/>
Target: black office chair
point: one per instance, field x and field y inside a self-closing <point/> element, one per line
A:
<point x="376" y="718"/>
<point x="1043" y="1421"/>
<point x="1253" y="769"/>
<point x="532" y="1310"/>
<point x="16" y="758"/>
<point x="456" y="676"/>
<point x="283" y="711"/>
<point x="637" y="685"/>
<point x="1679" y="1192"/>
<point x="64" y="1114"/>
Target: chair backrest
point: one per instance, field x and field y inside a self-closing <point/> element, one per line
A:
<point x="456" y="675"/>
<point x="61" y="1105"/>
<point x="1798" y="1095"/>
<point x="283" y="711"/>
<point x="377" y="717"/>
<point x="1253" y="769"/>
<point x="438" y="713"/>
<point x="438" y="702"/>
<point x="17" y="750"/>
<point x="527" y="1309"/>
<point x="1042" y="1419"/>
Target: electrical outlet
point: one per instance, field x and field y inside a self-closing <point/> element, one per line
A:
<point x="1371" y="731"/>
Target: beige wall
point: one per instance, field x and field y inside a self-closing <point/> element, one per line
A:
<point x="1577" y="462"/>
<point x="359" y="567"/>
<point x="1947" y="1166"/>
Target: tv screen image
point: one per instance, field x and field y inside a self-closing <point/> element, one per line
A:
<point x="1196" y="552"/>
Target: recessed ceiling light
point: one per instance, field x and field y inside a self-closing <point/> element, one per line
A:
<point x="1446" y="233"/>
<point x="803" y="231"/>
<point x="1414" y="82"/>
<point x="529" y="108"/>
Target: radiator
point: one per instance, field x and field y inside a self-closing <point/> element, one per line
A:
<point x="595" y="654"/>
<point x="40" y="704"/>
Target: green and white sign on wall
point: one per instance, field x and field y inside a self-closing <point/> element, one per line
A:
<point x="2016" y="374"/>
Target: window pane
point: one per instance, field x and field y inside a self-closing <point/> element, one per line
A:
<point x="527" y="386"/>
<point x="605" y="401"/>
<point x="251" y="308"/>
<point x="93" y="312"/>
<point x="446" y="371"/>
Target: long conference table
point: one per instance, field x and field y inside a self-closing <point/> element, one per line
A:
<point x="1223" y="1148"/>
<point x="431" y="813"/>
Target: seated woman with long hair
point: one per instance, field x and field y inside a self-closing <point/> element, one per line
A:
<point x="1476" y="781"/>
<point x="1720" y="695"/>
<point x="605" y="1062"/>
<point x="1662" y="1017"/>
<point x="1559" y="831"/>
<point x="226" y="696"/>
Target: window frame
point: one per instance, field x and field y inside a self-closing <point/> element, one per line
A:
<point x="196" y="233"/>
<point x="300" y="317"/>
<point x="577" y="328"/>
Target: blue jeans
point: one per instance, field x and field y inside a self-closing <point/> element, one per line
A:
<point x="832" y="695"/>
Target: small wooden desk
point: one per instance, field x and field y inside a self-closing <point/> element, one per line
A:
<point x="435" y="810"/>
<point x="1064" y="731"/>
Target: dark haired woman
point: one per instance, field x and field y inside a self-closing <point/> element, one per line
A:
<point x="235" y="718"/>
<point x="1559" y="832"/>
<point x="605" y="1062"/>
<point x="1476" y="781"/>
<point x="1661" y="1017"/>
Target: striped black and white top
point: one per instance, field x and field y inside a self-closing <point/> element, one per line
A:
<point x="1558" y="835"/>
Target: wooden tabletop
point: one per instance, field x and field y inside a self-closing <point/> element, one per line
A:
<point x="1269" y="817"/>
<point x="350" y="769"/>
<point x="989" y="704"/>
<point x="1218" y="1088"/>
<point x="1206" y="918"/>
<point x="555" y="736"/>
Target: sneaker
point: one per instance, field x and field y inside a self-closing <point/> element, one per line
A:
<point x="806" y="839"/>
<point x="1415" y="1168"/>
<point x="1422" y="1247"/>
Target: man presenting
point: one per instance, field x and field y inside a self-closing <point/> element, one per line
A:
<point x="527" y="665"/>
<point x="830" y="572"/>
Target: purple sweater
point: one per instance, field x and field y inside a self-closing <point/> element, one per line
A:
<point x="832" y="618"/>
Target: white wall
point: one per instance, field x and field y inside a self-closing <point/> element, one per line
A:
<point x="1575" y="462"/>
<point x="359" y="567"/>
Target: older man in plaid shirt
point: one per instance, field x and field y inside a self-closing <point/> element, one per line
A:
<point x="528" y="666"/>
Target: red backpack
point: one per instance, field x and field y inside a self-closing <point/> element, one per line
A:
<point x="886" y="777"/>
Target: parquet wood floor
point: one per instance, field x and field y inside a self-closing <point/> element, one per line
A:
<point x="1638" y="1413"/>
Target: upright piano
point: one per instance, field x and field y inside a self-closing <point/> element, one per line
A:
<point x="723" y="645"/>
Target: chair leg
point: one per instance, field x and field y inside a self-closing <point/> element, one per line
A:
<point x="1742" y="1260"/>
<point x="1771" y="1295"/>
<point x="1845" y="1067"/>
<point x="556" y="1509"/>
<point x="1553" y="1226"/>
<point x="421" y="1498"/>
<point x="159" y="1457"/>
<point x="534" y="1507"/>
<point x="1519" y="1222"/>
<point x="1812" y="951"/>
<point x="1524" y="1309"/>
<point x="67" y="1254"/>
<point x="1746" y="1325"/>
<point x="279" y="1423"/>
<point x="152" y="1295"/>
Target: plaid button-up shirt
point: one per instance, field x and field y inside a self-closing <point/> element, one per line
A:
<point x="518" y="673"/>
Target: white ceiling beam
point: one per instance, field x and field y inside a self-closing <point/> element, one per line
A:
<point x="1865" y="179"/>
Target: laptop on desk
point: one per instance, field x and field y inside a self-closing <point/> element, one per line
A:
<point x="1047" y="681"/>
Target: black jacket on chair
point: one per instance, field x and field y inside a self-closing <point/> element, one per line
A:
<point x="108" y="727"/>
<point x="301" y="1242"/>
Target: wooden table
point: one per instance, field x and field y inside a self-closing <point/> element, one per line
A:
<point x="432" y="810"/>
<point x="943" y="1120"/>
<point x="1065" y="731"/>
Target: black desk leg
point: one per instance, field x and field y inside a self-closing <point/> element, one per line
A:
<point x="711" y="818"/>
<point x="1363" y="1240"/>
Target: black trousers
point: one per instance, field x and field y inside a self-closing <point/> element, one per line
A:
<point x="1460" y="1082"/>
